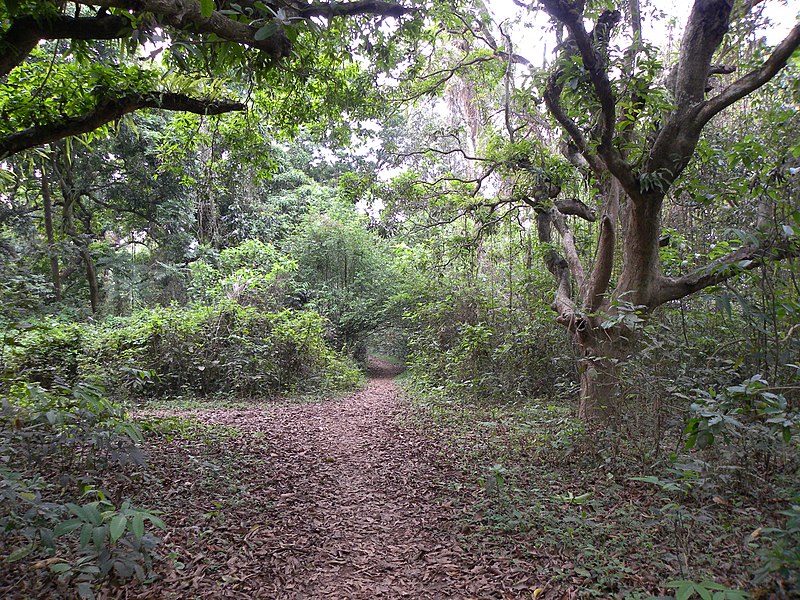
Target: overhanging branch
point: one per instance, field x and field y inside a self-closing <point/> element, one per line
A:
<point x="360" y="7"/>
<point x="187" y="15"/>
<point x="25" y="32"/>
<point x="107" y="111"/>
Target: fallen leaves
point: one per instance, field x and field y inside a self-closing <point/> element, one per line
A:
<point x="330" y="500"/>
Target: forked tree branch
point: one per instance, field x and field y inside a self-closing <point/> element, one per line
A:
<point x="575" y="208"/>
<point x="753" y="80"/>
<point x="594" y="62"/>
<point x="107" y="111"/>
<point x="570" y="250"/>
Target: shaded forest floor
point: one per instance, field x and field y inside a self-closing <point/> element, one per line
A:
<point x="338" y="499"/>
<point x="373" y="496"/>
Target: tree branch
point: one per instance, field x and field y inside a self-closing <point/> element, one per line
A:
<point x="574" y="207"/>
<point x="570" y="250"/>
<point x="745" y="258"/>
<point x="106" y="111"/>
<point x="707" y="25"/>
<point x="603" y="266"/>
<point x="186" y="15"/>
<point x="753" y="80"/>
<point x="360" y="7"/>
<point x="26" y="31"/>
<point x="595" y="63"/>
<point x="555" y="263"/>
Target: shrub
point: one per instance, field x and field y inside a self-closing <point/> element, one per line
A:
<point x="225" y="348"/>
<point x="54" y="444"/>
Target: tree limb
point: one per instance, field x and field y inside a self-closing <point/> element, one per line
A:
<point x="753" y="80"/>
<point x="576" y="208"/>
<point x="109" y="110"/>
<point x="707" y="25"/>
<point x="186" y="15"/>
<point x="595" y="63"/>
<point x="570" y="250"/>
<point x="359" y="7"/>
<point x="603" y="266"/>
<point x="555" y="263"/>
<point x="745" y="258"/>
<point x="25" y="32"/>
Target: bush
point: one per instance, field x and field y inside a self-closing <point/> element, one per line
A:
<point x="517" y="357"/>
<point x="47" y="353"/>
<point x="252" y="274"/>
<point x="225" y="348"/>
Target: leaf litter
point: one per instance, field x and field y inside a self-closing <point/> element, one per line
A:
<point x="334" y="500"/>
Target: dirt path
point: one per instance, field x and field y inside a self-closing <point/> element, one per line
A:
<point x="331" y="500"/>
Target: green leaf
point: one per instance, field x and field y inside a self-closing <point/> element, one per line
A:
<point x="93" y="515"/>
<point x="157" y="521"/>
<point x="704" y="593"/>
<point x="86" y="535"/>
<point x="79" y="512"/>
<point x="137" y="526"/>
<point x="99" y="538"/>
<point x="266" y="31"/>
<point x="60" y="567"/>
<point x="685" y="591"/>
<point x="85" y="590"/>
<point x="117" y="527"/>
<point x="66" y="527"/>
<point x="20" y="553"/>
<point x="206" y="8"/>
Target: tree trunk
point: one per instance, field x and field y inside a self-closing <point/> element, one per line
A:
<point x="83" y="250"/>
<point x="47" y="199"/>
<point x="603" y="353"/>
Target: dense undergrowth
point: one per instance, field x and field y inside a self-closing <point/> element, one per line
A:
<point x="205" y="350"/>
<point x="60" y="449"/>
<point x="71" y="455"/>
<point x="681" y="521"/>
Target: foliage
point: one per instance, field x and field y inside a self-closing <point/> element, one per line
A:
<point x="749" y="405"/>
<point x="224" y="348"/>
<point x="474" y="319"/>
<point x="251" y="274"/>
<point x="346" y="273"/>
<point x="54" y="445"/>
<point x="781" y="557"/>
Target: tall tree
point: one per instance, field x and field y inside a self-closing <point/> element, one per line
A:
<point x="635" y="183"/>
<point x="631" y="124"/>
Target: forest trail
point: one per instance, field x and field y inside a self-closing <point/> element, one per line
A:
<point x="331" y="500"/>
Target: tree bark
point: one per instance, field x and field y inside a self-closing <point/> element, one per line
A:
<point x="600" y="398"/>
<point x="47" y="199"/>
